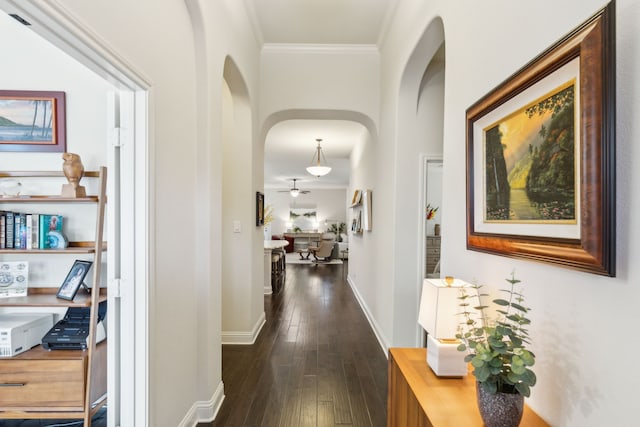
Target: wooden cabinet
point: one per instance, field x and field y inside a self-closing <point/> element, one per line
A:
<point x="58" y="383"/>
<point x="418" y="398"/>
<point x="432" y="251"/>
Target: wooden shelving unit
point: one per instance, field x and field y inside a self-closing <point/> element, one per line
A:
<point x="41" y="384"/>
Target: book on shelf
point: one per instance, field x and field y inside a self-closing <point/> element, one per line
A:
<point x="48" y="223"/>
<point x="35" y="231"/>
<point x="28" y="230"/>
<point x="3" y="232"/>
<point x="9" y="229"/>
<point x="19" y="230"/>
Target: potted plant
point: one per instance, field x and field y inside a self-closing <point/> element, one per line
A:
<point x="497" y="352"/>
<point x="337" y="229"/>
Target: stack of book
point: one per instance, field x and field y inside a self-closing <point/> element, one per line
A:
<point x="29" y="230"/>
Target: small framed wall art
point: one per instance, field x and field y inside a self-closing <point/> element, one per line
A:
<point x="32" y="121"/>
<point x="259" y="209"/>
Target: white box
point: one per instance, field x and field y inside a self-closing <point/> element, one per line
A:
<point x="20" y="332"/>
<point x="445" y="359"/>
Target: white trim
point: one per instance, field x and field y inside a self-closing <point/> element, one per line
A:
<point x="204" y="411"/>
<point x="425" y="159"/>
<point x="244" y="338"/>
<point x="319" y="48"/>
<point x="377" y="330"/>
<point x="59" y="26"/>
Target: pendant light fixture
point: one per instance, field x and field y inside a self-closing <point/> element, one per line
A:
<point x="316" y="169"/>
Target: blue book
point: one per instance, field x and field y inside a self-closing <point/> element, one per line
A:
<point x="48" y="223"/>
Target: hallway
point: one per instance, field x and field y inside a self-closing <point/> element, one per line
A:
<point x="316" y="362"/>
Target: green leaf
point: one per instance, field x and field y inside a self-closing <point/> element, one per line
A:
<point x="482" y="373"/>
<point x="518" y="369"/>
<point x="529" y="378"/>
<point x="523" y="389"/>
<point x="519" y="307"/>
<point x="517" y="342"/>
<point x="527" y="358"/>
<point x="496" y="363"/>
<point x="477" y="362"/>
<point x="501" y="301"/>
<point x="491" y="387"/>
<point x="462" y="347"/>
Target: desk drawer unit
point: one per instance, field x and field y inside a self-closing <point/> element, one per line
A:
<point x="39" y="385"/>
<point x="432" y="252"/>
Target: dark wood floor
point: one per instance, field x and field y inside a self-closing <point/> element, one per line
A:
<point x="315" y="363"/>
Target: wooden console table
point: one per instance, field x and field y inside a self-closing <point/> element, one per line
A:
<point x="418" y="398"/>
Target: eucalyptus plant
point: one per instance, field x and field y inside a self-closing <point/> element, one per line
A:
<point x="496" y="347"/>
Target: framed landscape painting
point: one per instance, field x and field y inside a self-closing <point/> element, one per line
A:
<point x="32" y="121"/>
<point x="541" y="156"/>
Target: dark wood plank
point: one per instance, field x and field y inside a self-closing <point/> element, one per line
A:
<point x="316" y="362"/>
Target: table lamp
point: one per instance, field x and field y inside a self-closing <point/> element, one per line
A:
<point x="439" y="308"/>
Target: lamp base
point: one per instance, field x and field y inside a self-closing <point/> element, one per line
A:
<point x="444" y="358"/>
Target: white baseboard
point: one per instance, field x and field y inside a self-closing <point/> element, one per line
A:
<point x="244" y="338"/>
<point x="376" y="329"/>
<point x="204" y="411"/>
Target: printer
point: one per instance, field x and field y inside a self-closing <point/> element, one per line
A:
<point x="72" y="332"/>
<point x="20" y="332"/>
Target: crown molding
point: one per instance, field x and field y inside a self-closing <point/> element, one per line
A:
<point x="320" y="48"/>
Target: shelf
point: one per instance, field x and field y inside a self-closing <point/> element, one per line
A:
<point x="73" y="248"/>
<point x="38" y="352"/>
<point x="48" y="199"/>
<point x="59" y="383"/>
<point x="46" y="297"/>
<point x="43" y="174"/>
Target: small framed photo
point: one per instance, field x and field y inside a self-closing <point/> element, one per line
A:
<point x="259" y="209"/>
<point x="74" y="279"/>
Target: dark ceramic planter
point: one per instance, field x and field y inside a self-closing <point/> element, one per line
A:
<point x="500" y="409"/>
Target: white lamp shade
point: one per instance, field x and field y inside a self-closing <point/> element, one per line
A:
<point x="294" y="192"/>
<point x="319" y="170"/>
<point x="439" y="307"/>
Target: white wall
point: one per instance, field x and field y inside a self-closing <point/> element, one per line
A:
<point x="29" y="57"/>
<point x="579" y="320"/>
<point x="319" y="79"/>
<point x="185" y="136"/>
<point x="330" y="206"/>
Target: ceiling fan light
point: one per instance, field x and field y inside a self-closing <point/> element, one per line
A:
<point x="294" y="192"/>
<point x="318" y="170"/>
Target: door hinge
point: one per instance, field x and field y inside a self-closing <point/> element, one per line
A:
<point x="115" y="137"/>
<point x="114" y="288"/>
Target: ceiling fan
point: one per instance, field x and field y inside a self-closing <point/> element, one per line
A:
<point x="294" y="191"/>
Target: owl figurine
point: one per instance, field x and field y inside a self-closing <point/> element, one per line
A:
<point x="73" y="170"/>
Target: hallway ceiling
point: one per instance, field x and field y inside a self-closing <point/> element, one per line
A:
<point x="320" y="21"/>
<point x="290" y="145"/>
